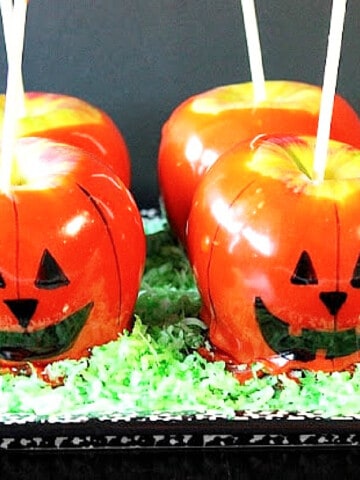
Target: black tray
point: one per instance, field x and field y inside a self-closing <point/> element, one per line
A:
<point x="245" y="430"/>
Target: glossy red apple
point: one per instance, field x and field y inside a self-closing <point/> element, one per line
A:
<point x="72" y="251"/>
<point x="206" y="125"/>
<point x="73" y="121"/>
<point x="277" y="255"/>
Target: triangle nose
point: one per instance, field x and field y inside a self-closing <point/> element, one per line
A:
<point x="23" y="309"/>
<point x="333" y="301"/>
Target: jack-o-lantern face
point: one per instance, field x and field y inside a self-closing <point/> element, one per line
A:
<point x="334" y="343"/>
<point x="277" y="257"/>
<point x="50" y="340"/>
<point x="72" y="251"/>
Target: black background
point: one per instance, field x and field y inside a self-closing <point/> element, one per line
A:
<point x="137" y="59"/>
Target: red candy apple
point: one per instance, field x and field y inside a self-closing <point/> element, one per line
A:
<point x="277" y="255"/>
<point x="206" y="125"/>
<point x="73" y="121"/>
<point x="72" y="251"/>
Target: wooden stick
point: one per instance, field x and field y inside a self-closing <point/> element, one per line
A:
<point x="329" y="88"/>
<point x="6" y="8"/>
<point x="254" y="49"/>
<point x="7" y="11"/>
<point x="13" y="90"/>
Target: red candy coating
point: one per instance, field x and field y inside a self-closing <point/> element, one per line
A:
<point x="73" y="121"/>
<point x="206" y="125"/>
<point x="72" y="253"/>
<point x="277" y="256"/>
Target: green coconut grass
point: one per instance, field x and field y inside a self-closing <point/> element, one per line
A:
<point x="156" y="369"/>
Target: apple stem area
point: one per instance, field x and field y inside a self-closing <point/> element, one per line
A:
<point x="14" y="21"/>
<point x="329" y="82"/>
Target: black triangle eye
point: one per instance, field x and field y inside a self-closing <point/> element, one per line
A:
<point x="355" y="281"/>
<point x="2" y="282"/>
<point x="304" y="273"/>
<point x="50" y="275"/>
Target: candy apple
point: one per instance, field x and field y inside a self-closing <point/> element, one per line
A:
<point x="73" y="121"/>
<point x="72" y="253"/>
<point x="206" y="125"/>
<point x="277" y="255"/>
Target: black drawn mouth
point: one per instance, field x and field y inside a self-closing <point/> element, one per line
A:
<point x="305" y="346"/>
<point x="44" y="343"/>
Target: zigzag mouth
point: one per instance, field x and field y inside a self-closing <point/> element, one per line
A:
<point x="45" y="343"/>
<point x="305" y="346"/>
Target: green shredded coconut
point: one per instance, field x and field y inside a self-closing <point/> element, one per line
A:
<point x="155" y="368"/>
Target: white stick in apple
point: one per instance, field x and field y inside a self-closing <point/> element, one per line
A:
<point x="6" y="8"/>
<point x="254" y="49"/>
<point x="7" y="11"/>
<point x="13" y="91"/>
<point x="329" y="88"/>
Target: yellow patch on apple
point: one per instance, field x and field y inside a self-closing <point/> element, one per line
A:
<point x="42" y="172"/>
<point x="290" y="160"/>
<point x="49" y="111"/>
<point x="290" y="95"/>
